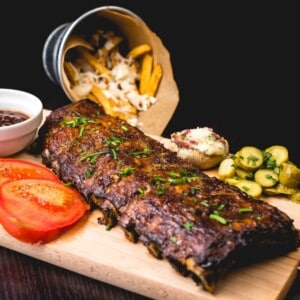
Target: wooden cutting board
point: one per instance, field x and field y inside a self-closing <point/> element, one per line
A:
<point x="89" y="249"/>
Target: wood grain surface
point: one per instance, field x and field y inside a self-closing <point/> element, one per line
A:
<point x="89" y="249"/>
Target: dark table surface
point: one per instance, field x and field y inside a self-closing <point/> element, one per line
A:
<point x="235" y="68"/>
<point x="23" y="277"/>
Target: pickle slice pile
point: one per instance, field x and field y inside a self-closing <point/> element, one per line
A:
<point x="262" y="172"/>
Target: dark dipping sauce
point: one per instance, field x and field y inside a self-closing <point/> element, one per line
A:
<point x="8" y="117"/>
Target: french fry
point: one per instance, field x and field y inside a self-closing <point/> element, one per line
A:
<point x="154" y="80"/>
<point x="139" y="50"/>
<point x="123" y="116"/>
<point x="101" y="99"/>
<point x="92" y="60"/>
<point x="71" y="72"/>
<point x="110" y="107"/>
<point x="127" y="107"/>
<point x="92" y="97"/>
<point x="145" y="74"/>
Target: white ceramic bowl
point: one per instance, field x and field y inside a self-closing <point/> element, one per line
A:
<point x="16" y="137"/>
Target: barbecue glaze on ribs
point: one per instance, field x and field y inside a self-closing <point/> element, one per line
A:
<point x="201" y="225"/>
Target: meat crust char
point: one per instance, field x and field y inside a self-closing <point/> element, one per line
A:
<point x="201" y="225"/>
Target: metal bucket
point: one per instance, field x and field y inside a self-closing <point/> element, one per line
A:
<point x="52" y="55"/>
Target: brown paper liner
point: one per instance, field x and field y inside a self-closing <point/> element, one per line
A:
<point x="154" y="120"/>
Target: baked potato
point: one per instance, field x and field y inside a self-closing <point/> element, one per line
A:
<point x="201" y="146"/>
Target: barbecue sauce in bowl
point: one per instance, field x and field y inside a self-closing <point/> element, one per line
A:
<point x="8" y="117"/>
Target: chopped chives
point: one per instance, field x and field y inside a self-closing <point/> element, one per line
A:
<point x="218" y="218"/>
<point x="188" y="225"/>
<point x="245" y="209"/>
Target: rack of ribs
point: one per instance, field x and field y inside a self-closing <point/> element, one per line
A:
<point x="201" y="225"/>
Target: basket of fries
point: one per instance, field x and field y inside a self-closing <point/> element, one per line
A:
<point x="112" y="57"/>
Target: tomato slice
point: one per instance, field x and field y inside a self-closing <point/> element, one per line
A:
<point x="14" y="168"/>
<point x="38" y="210"/>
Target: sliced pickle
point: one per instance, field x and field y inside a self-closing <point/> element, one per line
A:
<point x="226" y="168"/>
<point x="231" y="181"/>
<point x="252" y="188"/>
<point x="243" y="174"/>
<point x="250" y="158"/>
<point x="266" y="177"/>
<point x="289" y="175"/>
<point x="279" y="189"/>
<point x="257" y="171"/>
<point x="278" y="153"/>
<point x="295" y="197"/>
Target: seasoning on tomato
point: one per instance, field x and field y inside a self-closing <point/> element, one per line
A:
<point x="39" y="210"/>
<point x="14" y="168"/>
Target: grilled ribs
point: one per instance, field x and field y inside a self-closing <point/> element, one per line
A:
<point x="201" y="225"/>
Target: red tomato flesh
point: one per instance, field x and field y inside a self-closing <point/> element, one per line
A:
<point x="38" y="210"/>
<point x="13" y="168"/>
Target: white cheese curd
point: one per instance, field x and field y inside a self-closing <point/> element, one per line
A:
<point x="120" y="84"/>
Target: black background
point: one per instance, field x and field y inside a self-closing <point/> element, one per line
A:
<point x="236" y="66"/>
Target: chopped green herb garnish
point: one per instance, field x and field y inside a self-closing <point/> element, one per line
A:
<point x="220" y="207"/>
<point x="92" y="157"/>
<point x="141" y="191"/>
<point x="82" y="128"/>
<point x="196" y="188"/>
<point x="174" y="175"/>
<point x="218" y="218"/>
<point x="123" y="127"/>
<point x="195" y="199"/>
<point x="114" y="141"/>
<point x="114" y="153"/>
<point x="79" y="121"/>
<point x="182" y="178"/>
<point x="268" y="176"/>
<point x="88" y="173"/>
<point x="188" y="225"/>
<point x="205" y="203"/>
<point x="245" y="188"/>
<point x="245" y="209"/>
<point x="252" y="160"/>
<point x="141" y="154"/>
<point x="211" y="137"/>
<point x="126" y="171"/>
<point x="160" y="189"/>
<point x="157" y="178"/>
<point x="173" y="239"/>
